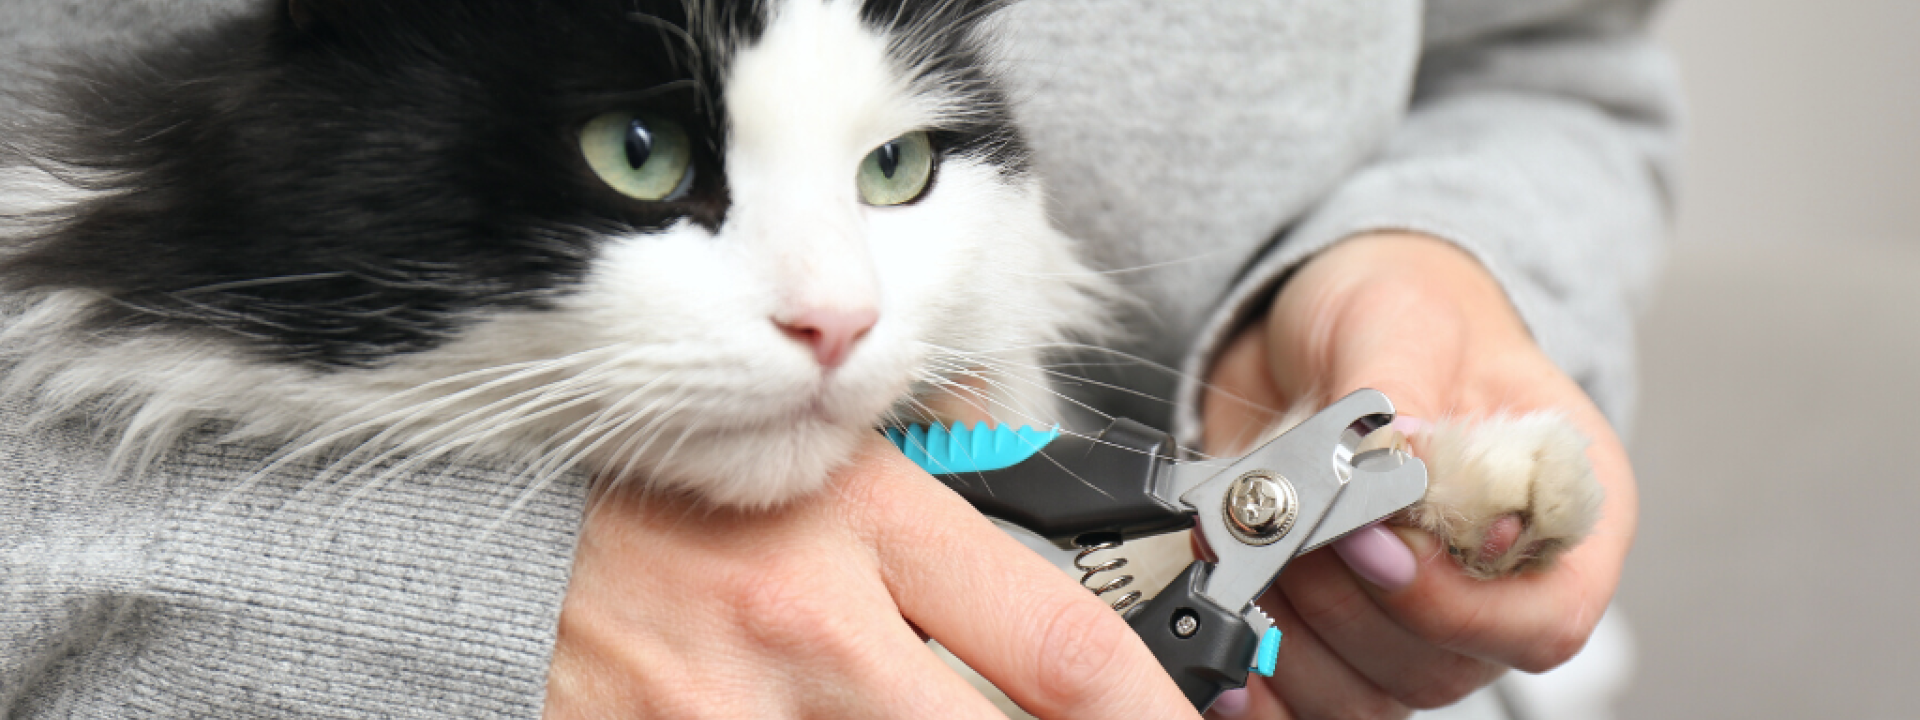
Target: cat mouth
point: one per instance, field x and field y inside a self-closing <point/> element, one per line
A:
<point x="827" y="403"/>
<point x="816" y="409"/>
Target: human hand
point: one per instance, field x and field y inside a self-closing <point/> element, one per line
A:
<point x="1422" y="321"/>
<point x="678" y="610"/>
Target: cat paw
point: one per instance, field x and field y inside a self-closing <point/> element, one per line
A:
<point x="1506" y="494"/>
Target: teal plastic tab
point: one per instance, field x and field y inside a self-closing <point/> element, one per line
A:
<point x="1268" y="655"/>
<point x="960" y="449"/>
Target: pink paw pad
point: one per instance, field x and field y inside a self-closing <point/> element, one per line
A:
<point x="1501" y="536"/>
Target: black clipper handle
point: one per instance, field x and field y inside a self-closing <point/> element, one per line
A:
<point x="1205" y="647"/>
<point x="1078" y="486"/>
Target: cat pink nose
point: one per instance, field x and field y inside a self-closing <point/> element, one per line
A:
<point x="831" y="333"/>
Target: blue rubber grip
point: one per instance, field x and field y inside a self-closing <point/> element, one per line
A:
<point x="1267" y="656"/>
<point x="941" y="450"/>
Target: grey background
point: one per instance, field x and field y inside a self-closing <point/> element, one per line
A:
<point x="1775" y="572"/>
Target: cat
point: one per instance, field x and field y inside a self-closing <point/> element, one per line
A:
<point x="697" y="247"/>
<point x="704" y="247"/>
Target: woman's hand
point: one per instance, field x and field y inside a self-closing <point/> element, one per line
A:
<point x="1422" y="321"/>
<point x="678" y="610"/>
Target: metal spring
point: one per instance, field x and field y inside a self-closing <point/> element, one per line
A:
<point x="1080" y="561"/>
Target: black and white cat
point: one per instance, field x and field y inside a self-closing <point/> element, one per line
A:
<point x="707" y="245"/>
<point x="703" y="246"/>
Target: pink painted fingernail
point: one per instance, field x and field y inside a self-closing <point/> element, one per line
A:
<point x="1378" y="556"/>
<point x="1232" y="703"/>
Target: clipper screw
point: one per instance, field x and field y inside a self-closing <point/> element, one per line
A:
<point x="1260" y="507"/>
<point x="1185" y="623"/>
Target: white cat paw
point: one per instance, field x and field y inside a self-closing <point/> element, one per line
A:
<point x="1506" y="494"/>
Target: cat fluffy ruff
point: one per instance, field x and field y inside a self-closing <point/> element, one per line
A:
<point x="578" y="329"/>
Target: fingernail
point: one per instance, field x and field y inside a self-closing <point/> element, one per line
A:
<point x="1232" y="704"/>
<point x="1378" y="556"/>
<point x="1410" y="425"/>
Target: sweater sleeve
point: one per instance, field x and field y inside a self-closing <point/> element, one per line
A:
<point x="212" y="584"/>
<point x="1541" y="138"/>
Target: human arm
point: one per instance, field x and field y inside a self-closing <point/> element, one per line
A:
<point x="1488" y="262"/>
<point x="1418" y="319"/>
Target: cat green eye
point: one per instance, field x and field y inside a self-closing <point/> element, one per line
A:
<point x="643" y="156"/>
<point x="898" y="171"/>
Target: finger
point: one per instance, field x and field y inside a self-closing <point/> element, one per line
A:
<point x="1049" y="644"/>
<point x="1533" y="621"/>
<point x="1402" y="664"/>
<point x="898" y="677"/>
<point x="1378" y="556"/>
<point x="845" y="651"/>
<point x="1231" y="704"/>
<point x="1427" y="630"/>
<point x="1315" y="682"/>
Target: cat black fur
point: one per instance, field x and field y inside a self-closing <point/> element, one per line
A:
<point x="333" y="183"/>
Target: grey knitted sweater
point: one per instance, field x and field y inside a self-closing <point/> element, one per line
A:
<point x="1200" y="149"/>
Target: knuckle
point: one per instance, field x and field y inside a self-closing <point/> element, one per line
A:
<point x="1554" y="650"/>
<point x="1434" y="631"/>
<point x="780" y="612"/>
<point x="1449" y="683"/>
<point x="1079" y="647"/>
<point x="1328" y="609"/>
<point x="1444" y="625"/>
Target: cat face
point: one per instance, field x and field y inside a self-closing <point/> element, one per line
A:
<point x="697" y="245"/>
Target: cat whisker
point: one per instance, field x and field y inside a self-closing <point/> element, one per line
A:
<point x="331" y="434"/>
<point x="667" y="29"/>
<point x="610" y="482"/>
<point x="1199" y="456"/>
<point x="685" y="432"/>
<point x="973" y="397"/>
<point x="1137" y="268"/>
<point x="593" y="429"/>
<point x="396" y="420"/>
<point x="540" y="469"/>
<point x="634" y="454"/>
<point x="1131" y="359"/>
<point x="967" y="369"/>
<point x="1011" y="411"/>
<point x="488" y="429"/>
<point x="989" y="358"/>
<point x="257" y="282"/>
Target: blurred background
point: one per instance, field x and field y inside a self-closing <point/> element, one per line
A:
<point x="1776" y="575"/>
